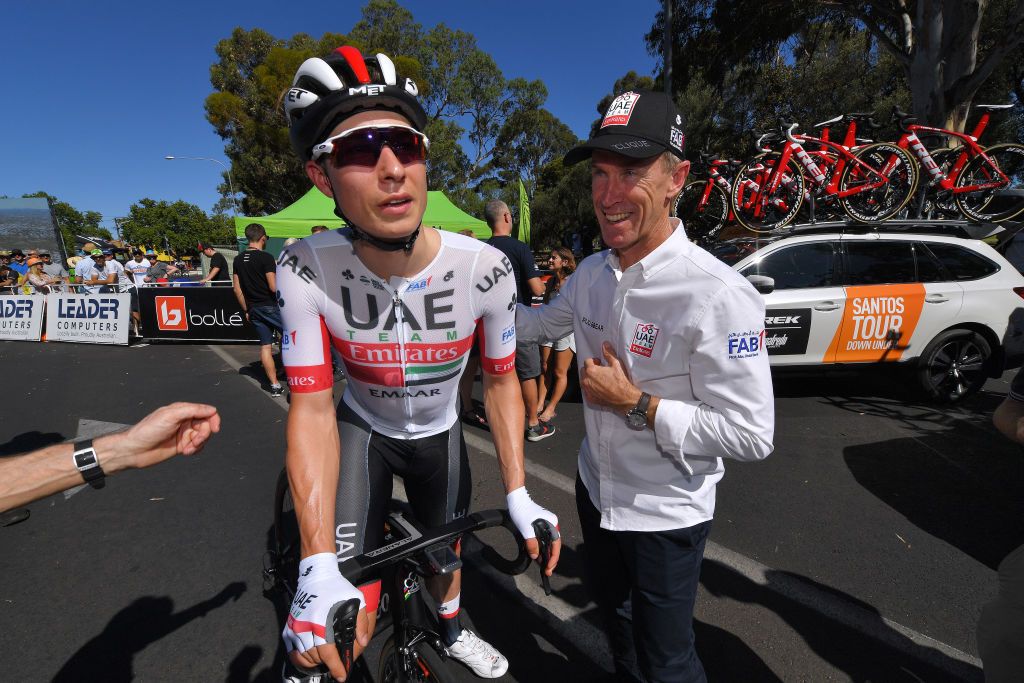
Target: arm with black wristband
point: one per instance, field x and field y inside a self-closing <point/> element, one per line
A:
<point x="180" y="428"/>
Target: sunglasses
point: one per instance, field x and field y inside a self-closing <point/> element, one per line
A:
<point x="362" y="146"/>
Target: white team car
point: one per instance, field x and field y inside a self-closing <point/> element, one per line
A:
<point x="951" y="305"/>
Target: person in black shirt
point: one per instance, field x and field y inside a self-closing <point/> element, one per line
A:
<point x="255" y="282"/>
<point x="218" y="275"/>
<point x="528" y="285"/>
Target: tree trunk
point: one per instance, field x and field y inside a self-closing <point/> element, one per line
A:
<point x="945" y="51"/>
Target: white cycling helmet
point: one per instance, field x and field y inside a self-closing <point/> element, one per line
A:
<point x="326" y="91"/>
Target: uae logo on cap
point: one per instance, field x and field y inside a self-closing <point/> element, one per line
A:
<point x="620" y="110"/>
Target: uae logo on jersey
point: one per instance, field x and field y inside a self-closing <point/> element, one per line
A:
<point x="644" y="337"/>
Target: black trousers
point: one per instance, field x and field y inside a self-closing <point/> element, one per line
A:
<point x="645" y="585"/>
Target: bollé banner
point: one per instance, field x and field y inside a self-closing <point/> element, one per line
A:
<point x="193" y="314"/>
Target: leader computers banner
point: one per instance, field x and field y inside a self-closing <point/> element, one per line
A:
<point x="92" y="319"/>
<point x="21" y="317"/>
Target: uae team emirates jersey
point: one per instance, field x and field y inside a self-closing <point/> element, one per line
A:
<point x="404" y="341"/>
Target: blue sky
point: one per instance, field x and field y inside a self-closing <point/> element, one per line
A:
<point x="99" y="92"/>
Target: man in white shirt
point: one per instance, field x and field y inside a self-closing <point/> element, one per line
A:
<point x="85" y="264"/>
<point x="101" y="278"/>
<point x="124" y="281"/>
<point x="675" y="378"/>
<point x="138" y="266"/>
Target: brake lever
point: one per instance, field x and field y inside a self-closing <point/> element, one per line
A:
<point x="345" y="632"/>
<point x="546" y="535"/>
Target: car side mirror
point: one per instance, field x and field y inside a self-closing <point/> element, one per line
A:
<point x="762" y="283"/>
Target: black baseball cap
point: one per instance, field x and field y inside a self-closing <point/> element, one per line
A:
<point x="638" y="124"/>
<point x="17" y="252"/>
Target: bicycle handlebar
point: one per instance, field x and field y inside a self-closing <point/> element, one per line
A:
<point x="363" y="567"/>
<point x="902" y="118"/>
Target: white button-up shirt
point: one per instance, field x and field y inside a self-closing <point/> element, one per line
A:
<point x="690" y="330"/>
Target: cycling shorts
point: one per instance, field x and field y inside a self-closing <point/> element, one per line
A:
<point x="435" y="470"/>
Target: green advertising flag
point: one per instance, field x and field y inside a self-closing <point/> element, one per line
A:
<point x="524" y="215"/>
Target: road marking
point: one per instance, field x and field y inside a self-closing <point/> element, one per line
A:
<point x="845" y="612"/>
<point x="567" y="620"/>
<point x="237" y="365"/>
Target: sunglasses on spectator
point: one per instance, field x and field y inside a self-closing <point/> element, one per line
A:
<point x="362" y="146"/>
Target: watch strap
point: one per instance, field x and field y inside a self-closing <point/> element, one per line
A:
<point x="91" y="471"/>
<point x="643" y="403"/>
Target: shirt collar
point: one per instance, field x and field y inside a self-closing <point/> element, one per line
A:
<point x="664" y="254"/>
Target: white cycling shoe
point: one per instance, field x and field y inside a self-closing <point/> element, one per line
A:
<point x="479" y="655"/>
<point x="293" y="674"/>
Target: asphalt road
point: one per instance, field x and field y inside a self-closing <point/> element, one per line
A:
<point x="862" y="549"/>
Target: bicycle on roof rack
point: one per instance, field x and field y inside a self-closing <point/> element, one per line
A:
<point x="982" y="184"/>
<point x="703" y="205"/>
<point x="414" y="651"/>
<point x="871" y="183"/>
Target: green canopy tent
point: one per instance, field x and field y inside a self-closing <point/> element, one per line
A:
<point x="314" y="208"/>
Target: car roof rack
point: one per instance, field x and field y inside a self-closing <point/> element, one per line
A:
<point x="951" y="228"/>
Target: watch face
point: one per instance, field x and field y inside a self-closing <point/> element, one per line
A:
<point x="636" y="420"/>
<point x="86" y="459"/>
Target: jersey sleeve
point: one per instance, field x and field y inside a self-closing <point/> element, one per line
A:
<point x="529" y="267"/>
<point x="305" y="341"/>
<point x="733" y="414"/>
<point x="494" y="293"/>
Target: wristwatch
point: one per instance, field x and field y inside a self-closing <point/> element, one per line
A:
<point x="88" y="464"/>
<point x="636" y="418"/>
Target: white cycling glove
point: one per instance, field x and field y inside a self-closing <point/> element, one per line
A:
<point x="321" y="591"/>
<point x="524" y="511"/>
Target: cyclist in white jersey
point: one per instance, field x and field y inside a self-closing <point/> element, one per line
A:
<point x="402" y="304"/>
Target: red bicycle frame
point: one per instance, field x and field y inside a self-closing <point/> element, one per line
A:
<point x="794" y="148"/>
<point x="947" y="181"/>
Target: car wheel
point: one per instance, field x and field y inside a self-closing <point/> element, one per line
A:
<point x="954" y="365"/>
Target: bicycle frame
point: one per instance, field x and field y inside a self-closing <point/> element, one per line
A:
<point x="793" y="148"/>
<point x="947" y="181"/>
<point x="718" y="179"/>
<point x="844" y="157"/>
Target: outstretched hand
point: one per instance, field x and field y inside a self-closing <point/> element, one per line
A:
<point x="176" y="428"/>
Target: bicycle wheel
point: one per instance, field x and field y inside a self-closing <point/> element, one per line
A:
<point x="874" y="198"/>
<point x="428" y="667"/>
<point x="762" y="211"/>
<point x="998" y="203"/>
<point x="702" y="220"/>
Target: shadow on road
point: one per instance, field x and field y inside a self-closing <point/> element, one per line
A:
<point x="109" y="656"/>
<point x="956" y="484"/>
<point x="29" y="441"/>
<point x="240" y="670"/>
<point x="861" y="657"/>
